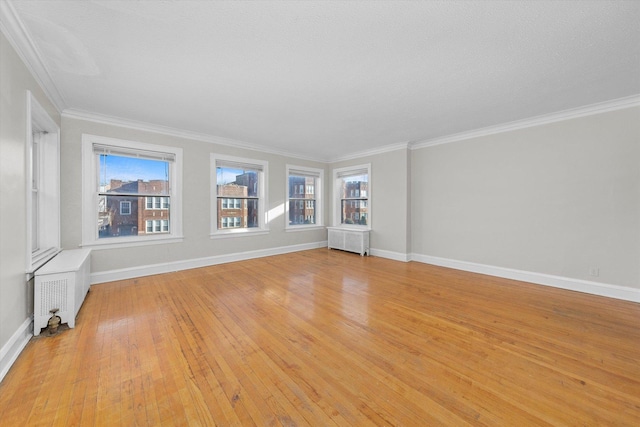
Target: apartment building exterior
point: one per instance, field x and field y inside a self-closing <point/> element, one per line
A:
<point x="131" y="208"/>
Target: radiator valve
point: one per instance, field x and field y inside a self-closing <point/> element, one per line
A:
<point x="54" y="321"/>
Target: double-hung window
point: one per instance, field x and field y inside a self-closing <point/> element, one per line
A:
<point x="352" y="192"/>
<point x="239" y="196"/>
<point x="131" y="192"/>
<point x="43" y="186"/>
<point x="304" y="202"/>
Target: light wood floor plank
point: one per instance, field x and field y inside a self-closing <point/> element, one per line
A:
<point x="330" y="338"/>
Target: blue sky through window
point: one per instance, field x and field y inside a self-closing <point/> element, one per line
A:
<point x="357" y="178"/>
<point x="131" y="169"/>
<point x="227" y="175"/>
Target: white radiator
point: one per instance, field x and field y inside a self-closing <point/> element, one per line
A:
<point x="61" y="283"/>
<point x="348" y="239"/>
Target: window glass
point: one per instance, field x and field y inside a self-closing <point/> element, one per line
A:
<point x="352" y="189"/>
<point x="238" y="202"/>
<point x="130" y="183"/>
<point x="237" y="193"/>
<point x="303" y="203"/>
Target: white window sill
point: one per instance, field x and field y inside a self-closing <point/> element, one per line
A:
<point x="351" y="227"/>
<point x="295" y="228"/>
<point x="239" y="232"/>
<point x="118" y="242"/>
<point x="41" y="259"/>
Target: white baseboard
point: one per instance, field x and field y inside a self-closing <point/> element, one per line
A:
<point x="396" y="256"/>
<point x="12" y="349"/>
<point x="148" y="270"/>
<point x="595" y="288"/>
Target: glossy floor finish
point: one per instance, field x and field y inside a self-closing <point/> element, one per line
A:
<point x="327" y="338"/>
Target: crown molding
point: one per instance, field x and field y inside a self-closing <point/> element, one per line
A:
<point x="72" y="113"/>
<point x="573" y="113"/>
<point x="372" y="152"/>
<point x="15" y="31"/>
<point x="179" y="133"/>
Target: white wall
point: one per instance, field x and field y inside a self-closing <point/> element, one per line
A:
<point x="555" y="199"/>
<point x="16" y="296"/>
<point x="196" y="201"/>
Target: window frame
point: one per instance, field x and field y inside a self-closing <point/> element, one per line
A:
<point x="318" y="174"/>
<point x="90" y="190"/>
<point x="43" y="229"/>
<point x="338" y="175"/>
<point x="262" y="167"/>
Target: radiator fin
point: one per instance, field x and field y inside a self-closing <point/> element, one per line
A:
<point x="54" y="295"/>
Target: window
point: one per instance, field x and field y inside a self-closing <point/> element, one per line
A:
<point x="125" y="207"/>
<point x="131" y="192"/>
<point x="157" y="226"/>
<point x="43" y="186"/>
<point x="231" y="203"/>
<point x="239" y="199"/>
<point x="352" y="189"/>
<point x="157" y="203"/>
<point x="303" y="205"/>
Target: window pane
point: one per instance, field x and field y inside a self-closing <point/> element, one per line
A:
<point x="354" y="212"/>
<point x="128" y="216"/>
<point x="131" y="175"/>
<point x="354" y="186"/>
<point x="302" y="212"/>
<point x="299" y="186"/>
<point x="118" y="216"/>
<point x="237" y="182"/>
<point x="238" y="213"/>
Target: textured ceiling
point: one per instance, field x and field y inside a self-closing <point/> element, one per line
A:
<point x="326" y="79"/>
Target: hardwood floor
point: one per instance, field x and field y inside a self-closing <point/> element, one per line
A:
<point x="330" y="338"/>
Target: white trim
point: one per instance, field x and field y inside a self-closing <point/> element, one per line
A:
<point x="14" y="346"/>
<point x="228" y="233"/>
<point x="148" y="270"/>
<point x="372" y="152"/>
<point x="396" y="256"/>
<point x="179" y="133"/>
<point x="13" y="28"/>
<point x="48" y="177"/>
<point x="296" y="228"/>
<point x="594" y="288"/>
<point x="573" y="113"/>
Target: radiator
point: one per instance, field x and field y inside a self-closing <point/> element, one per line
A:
<point x="61" y="283"/>
<point x="347" y="239"/>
